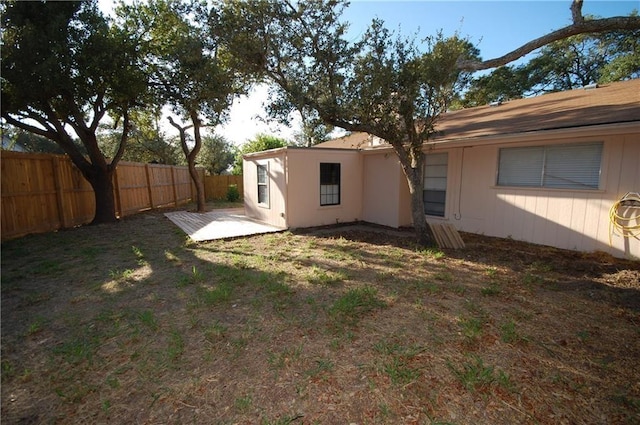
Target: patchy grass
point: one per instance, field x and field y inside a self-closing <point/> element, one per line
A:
<point x="134" y="323"/>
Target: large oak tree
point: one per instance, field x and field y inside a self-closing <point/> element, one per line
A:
<point x="384" y="84"/>
<point x="65" y="69"/>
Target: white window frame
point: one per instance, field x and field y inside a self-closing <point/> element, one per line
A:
<point x="436" y="171"/>
<point x="265" y="184"/>
<point x="330" y="194"/>
<point x="573" y="166"/>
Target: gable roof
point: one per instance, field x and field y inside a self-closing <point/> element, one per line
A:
<point x="357" y="140"/>
<point x="617" y="102"/>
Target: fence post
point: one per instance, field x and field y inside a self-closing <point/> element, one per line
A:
<point x="62" y="216"/>
<point x="173" y="185"/>
<point x="116" y="188"/>
<point x="149" y="189"/>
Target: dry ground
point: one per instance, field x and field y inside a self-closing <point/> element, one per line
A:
<point x="133" y="323"/>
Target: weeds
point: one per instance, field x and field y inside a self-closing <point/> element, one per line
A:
<point x="192" y="278"/>
<point x="137" y="252"/>
<point x="321" y="367"/>
<point x="279" y="360"/>
<point x="175" y="346"/>
<point x="243" y="403"/>
<point x="471" y="328"/>
<point x="319" y="276"/>
<point x="355" y="303"/>
<point x="509" y="333"/>
<point x="474" y="375"/>
<point x="78" y="349"/>
<point x="121" y="275"/>
<point x="492" y="289"/>
<point x="433" y="253"/>
<point x="35" y="326"/>
<point x="399" y="371"/>
<point x="148" y="319"/>
<point x="215" y="332"/>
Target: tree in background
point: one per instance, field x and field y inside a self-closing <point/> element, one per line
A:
<point x="262" y="142"/>
<point x="190" y="71"/>
<point x="30" y="142"/>
<point x="147" y="142"/>
<point x="65" y="68"/>
<point x="283" y="108"/>
<point x="565" y="64"/>
<point x="383" y="84"/>
<point x="217" y="154"/>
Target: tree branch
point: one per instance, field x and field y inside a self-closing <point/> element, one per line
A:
<point x="576" y="12"/>
<point x="579" y="26"/>
<point x="123" y="139"/>
<point x="183" y="135"/>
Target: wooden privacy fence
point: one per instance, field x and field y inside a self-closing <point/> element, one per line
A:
<point x="45" y="192"/>
<point x="216" y="187"/>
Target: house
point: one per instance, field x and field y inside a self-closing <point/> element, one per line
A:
<point x="11" y="145"/>
<point x="547" y="170"/>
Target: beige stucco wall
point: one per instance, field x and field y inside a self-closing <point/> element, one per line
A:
<point x="571" y="219"/>
<point x="294" y="187"/>
<point x="275" y="212"/>
<point x="303" y="185"/>
<point x="386" y="199"/>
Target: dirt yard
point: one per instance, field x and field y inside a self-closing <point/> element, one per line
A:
<point x="135" y="324"/>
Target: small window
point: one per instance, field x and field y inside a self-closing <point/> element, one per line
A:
<point x="435" y="184"/>
<point x="263" y="185"/>
<point x="575" y="166"/>
<point x="329" y="184"/>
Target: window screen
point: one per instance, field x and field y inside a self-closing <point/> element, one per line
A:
<point x="435" y="184"/>
<point x="575" y="166"/>
<point x="329" y="183"/>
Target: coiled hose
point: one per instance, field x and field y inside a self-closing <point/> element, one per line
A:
<point x="624" y="217"/>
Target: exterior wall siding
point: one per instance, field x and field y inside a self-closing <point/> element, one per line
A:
<point x="570" y="219"/>
<point x="294" y="187"/>
<point x="303" y="181"/>
<point x="382" y="203"/>
<point x="275" y="212"/>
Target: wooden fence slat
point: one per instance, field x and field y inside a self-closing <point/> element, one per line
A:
<point x="216" y="187"/>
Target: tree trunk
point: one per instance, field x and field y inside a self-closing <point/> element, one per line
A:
<point x="200" y="198"/>
<point x="102" y="183"/>
<point x="191" y="159"/>
<point x="412" y="163"/>
<point x="415" y="181"/>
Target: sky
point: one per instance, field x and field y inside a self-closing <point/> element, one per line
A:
<point x="495" y="27"/>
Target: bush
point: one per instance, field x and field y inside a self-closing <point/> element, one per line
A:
<point x="232" y="193"/>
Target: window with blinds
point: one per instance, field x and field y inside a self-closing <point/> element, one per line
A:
<point x="435" y="184"/>
<point x="574" y="166"/>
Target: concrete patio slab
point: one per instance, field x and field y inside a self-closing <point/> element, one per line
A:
<point x="218" y="224"/>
